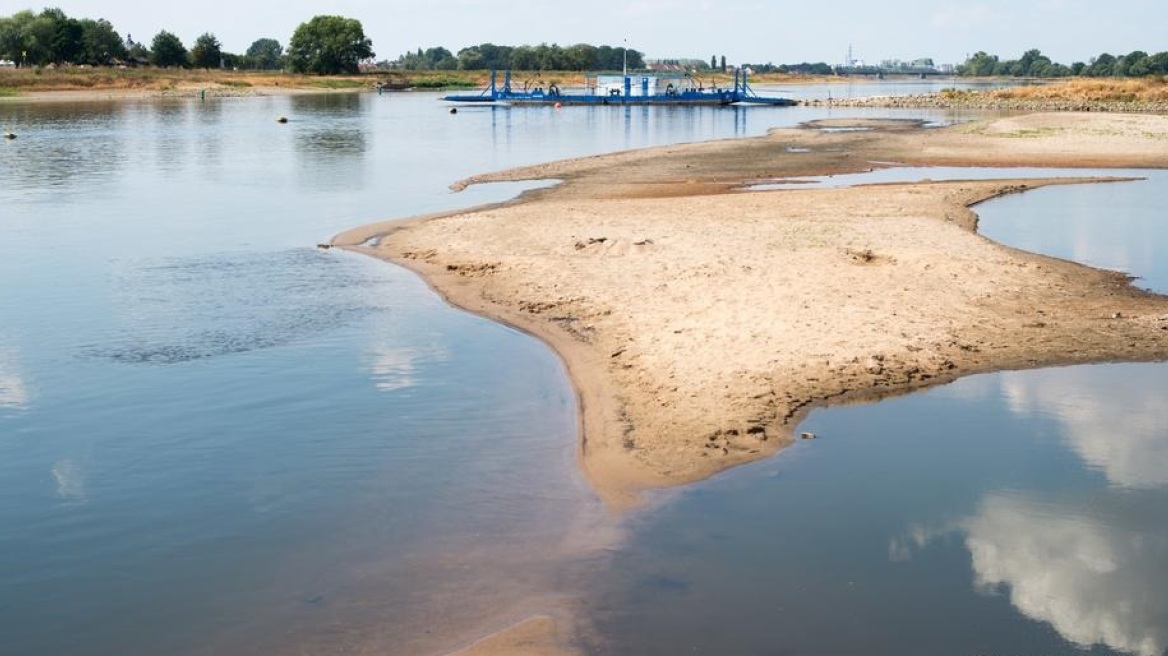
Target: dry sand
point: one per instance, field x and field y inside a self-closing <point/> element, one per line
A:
<point x="700" y="325"/>
<point x="536" y="636"/>
<point x="700" y="322"/>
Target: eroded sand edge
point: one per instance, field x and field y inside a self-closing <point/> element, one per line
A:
<point x="700" y="323"/>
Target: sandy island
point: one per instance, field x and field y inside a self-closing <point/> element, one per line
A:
<point x="700" y="322"/>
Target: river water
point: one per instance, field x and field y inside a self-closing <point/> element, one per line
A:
<point x="215" y="438"/>
<point x="1011" y="513"/>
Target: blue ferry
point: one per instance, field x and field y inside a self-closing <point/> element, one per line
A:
<point x="623" y="89"/>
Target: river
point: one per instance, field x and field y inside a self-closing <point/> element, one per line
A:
<point x="215" y="438"/>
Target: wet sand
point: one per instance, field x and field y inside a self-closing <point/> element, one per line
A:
<point x="701" y="322"/>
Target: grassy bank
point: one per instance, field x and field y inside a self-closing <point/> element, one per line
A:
<point x="30" y="80"/>
<point x="1149" y="95"/>
<point x="15" y="82"/>
<point x="1148" y="90"/>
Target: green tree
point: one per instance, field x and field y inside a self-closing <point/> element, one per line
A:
<point x="580" y="57"/>
<point x="36" y="33"/>
<point x="440" y="59"/>
<point x="167" y="50"/>
<point x="206" y="53"/>
<point x="523" y="58"/>
<point x="1158" y="63"/>
<point x="1101" y="66"/>
<point x="233" y="62"/>
<point x="265" y="55"/>
<point x="101" y="45"/>
<point x="472" y="59"/>
<point x="713" y="61"/>
<point x="604" y="58"/>
<point x="723" y="62"/>
<point x="1137" y="64"/>
<point x="411" y="61"/>
<point x="979" y="65"/>
<point x="64" y="36"/>
<point x="547" y="57"/>
<point x="13" y="30"/>
<point x="1033" y="63"/>
<point x="636" y="59"/>
<point x="328" y="45"/>
<point x="495" y="56"/>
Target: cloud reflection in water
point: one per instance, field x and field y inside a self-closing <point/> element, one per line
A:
<point x="1096" y="580"/>
<point x="13" y="390"/>
<point x="1112" y="417"/>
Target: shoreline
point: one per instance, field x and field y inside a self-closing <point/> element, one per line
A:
<point x="881" y="289"/>
<point x="626" y="446"/>
<point x="984" y="102"/>
<point x="182" y="92"/>
<point x="1074" y="95"/>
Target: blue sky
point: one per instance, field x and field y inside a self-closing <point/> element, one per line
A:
<point x="742" y="30"/>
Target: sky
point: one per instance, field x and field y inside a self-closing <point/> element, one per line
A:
<point x="745" y="31"/>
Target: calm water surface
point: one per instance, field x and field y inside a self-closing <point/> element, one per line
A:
<point x="217" y="439"/>
<point x="1014" y="513"/>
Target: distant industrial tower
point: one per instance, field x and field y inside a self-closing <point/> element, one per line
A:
<point x="850" y="60"/>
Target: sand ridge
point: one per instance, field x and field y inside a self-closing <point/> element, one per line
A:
<point x="700" y="325"/>
<point x="700" y="322"/>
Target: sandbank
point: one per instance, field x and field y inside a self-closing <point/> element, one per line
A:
<point x="700" y="322"/>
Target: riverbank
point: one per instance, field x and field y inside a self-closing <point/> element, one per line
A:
<point x="1079" y="95"/>
<point x="700" y="322"/>
<point x="94" y="83"/>
<point x="80" y="84"/>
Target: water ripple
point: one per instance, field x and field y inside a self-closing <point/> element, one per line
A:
<point x="194" y="308"/>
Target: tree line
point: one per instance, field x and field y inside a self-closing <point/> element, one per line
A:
<point x="543" y="57"/>
<point x="1035" y="64"/>
<point x="1032" y="63"/>
<point x="323" y="45"/>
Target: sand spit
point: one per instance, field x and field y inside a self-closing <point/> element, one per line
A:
<point x="536" y="636"/>
<point x="699" y="322"/>
<point x="700" y="325"/>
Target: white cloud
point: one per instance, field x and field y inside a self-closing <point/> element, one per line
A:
<point x="1115" y="417"/>
<point x="1092" y="579"/>
<point x="902" y="549"/>
<point x="13" y="390"/>
<point x="394" y="367"/>
<point x="1093" y="582"/>
<point x="70" y="479"/>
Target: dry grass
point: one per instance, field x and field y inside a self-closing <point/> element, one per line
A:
<point x="1091" y="90"/>
<point x="17" y="81"/>
<point x="152" y="79"/>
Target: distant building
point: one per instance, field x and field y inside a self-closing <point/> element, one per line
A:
<point x="922" y="65"/>
<point x="676" y="65"/>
